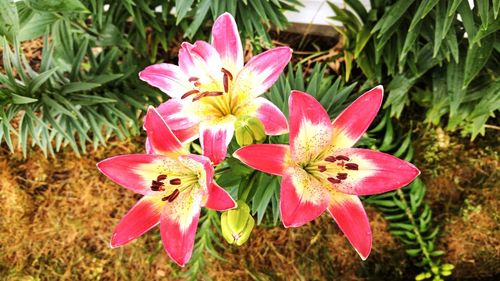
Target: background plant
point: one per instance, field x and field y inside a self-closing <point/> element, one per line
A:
<point x="442" y="55"/>
<point x="85" y="86"/>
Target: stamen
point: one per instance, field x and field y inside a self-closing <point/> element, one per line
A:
<point x="157" y="183"/>
<point x="351" y="166"/>
<point x="226" y="72"/>
<point x="193" y="79"/>
<point x="173" y="195"/>
<point x="342" y="157"/>
<point x="207" y="94"/>
<point x="175" y="181"/>
<point x="333" y="180"/>
<point x="226" y="83"/>
<point x="188" y="93"/>
<point x="342" y="176"/>
<point x="197" y="83"/>
<point x="161" y="177"/>
<point x="321" y="168"/>
<point x="330" y="159"/>
<point x="166" y="198"/>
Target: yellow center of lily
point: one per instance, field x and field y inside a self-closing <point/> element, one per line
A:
<point x="216" y="100"/>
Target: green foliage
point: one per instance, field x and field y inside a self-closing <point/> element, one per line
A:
<point x="252" y="17"/>
<point x="423" y="52"/>
<point x="85" y="89"/>
<point x="409" y="216"/>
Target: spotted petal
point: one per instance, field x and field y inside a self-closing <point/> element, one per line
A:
<point x="260" y="73"/>
<point x="310" y="127"/>
<point x="134" y="171"/>
<point x="302" y="198"/>
<point x="353" y="122"/>
<point x="268" y="158"/>
<point x="350" y="216"/>
<point x="372" y="172"/>
<point x="143" y="216"/>
<point x="226" y="41"/>
<point x="167" y="77"/>
<point x="161" y="138"/>
<point x="218" y="199"/>
<point x="178" y="224"/>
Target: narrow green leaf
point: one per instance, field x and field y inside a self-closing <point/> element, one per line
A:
<point x="477" y="57"/>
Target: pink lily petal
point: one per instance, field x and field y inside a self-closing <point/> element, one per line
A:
<point x="310" y="127"/>
<point x="202" y="61"/>
<point x="268" y="158"/>
<point x="218" y="199"/>
<point x="303" y="198"/>
<point x="350" y="216"/>
<point x="207" y="166"/>
<point x="353" y="122"/>
<point x="373" y="172"/>
<point x="272" y="118"/>
<point x="143" y="216"/>
<point x="183" y="125"/>
<point x="178" y="224"/>
<point x="167" y="77"/>
<point x="226" y="40"/>
<point x="161" y="138"/>
<point x="260" y="73"/>
<point x="215" y="138"/>
<point x="133" y="171"/>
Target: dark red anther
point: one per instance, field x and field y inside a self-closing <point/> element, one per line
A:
<point x="193" y="79"/>
<point x="197" y="83"/>
<point x="342" y="176"/>
<point x="227" y="73"/>
<point x="321" y="168"/>
<point x="351" y="166"/>
<point x="333" y="180"/>
<point x="226" y="83"/>
<point x="330" y="159"/>
<point x="175" y="181"/>
<point x="155" y="188"/>
<point x="173" y="195"/>
<point x="157" y="183"/>
<point x="161" y="177"/>
<point x="207" y="94"/>
<point x="188" y="93"/>
<point x="342" y="157"/>
<point x="165" y="198"/>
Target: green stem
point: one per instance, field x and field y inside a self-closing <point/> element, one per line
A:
<point x="245" y="193"/>
<point x="410" y="216"/>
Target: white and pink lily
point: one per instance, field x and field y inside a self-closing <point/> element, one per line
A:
<point x="175" y="185"/>
<point x="322" y="172"/>
<point x="211" y="88"/>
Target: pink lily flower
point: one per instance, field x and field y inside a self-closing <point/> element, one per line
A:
<point x="322" y="172"/>
<point x="175" y="185"/>
<point x="211" y="88"/>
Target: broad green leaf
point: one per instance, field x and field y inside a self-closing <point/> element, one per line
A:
<point x="477" y="57"/>
<point x="468" y="19"/>
<point x="17" y="99"/>
<point x="483" y="7"/>
<point x="9" y="20"/>
<point x="57" y="6"/>
<point x="389" y="18"/>
<point x="181" y="9"/>
<point x="78" y="87"/>
<point x="423" y="9"/>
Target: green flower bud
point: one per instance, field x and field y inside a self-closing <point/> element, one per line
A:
<point x="249" y="130"/>
<point x="237" y="224"/>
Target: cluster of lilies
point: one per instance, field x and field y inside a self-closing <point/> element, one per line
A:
<point x="210" y="90"/>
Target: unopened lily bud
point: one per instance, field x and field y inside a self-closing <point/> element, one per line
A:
<point x="249" y="130"/>
<point x="237" y="224"/>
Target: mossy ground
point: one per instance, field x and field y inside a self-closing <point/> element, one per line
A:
<point x="57" y="215"/>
